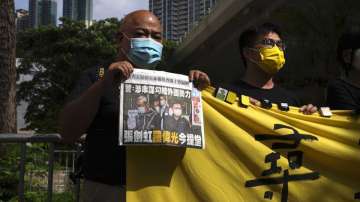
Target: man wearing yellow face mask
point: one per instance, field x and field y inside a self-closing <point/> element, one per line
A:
<point x="262" y="51"/>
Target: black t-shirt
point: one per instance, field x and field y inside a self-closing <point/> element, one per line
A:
<point x="275" y="95"/>
<point x="104" y="160"/>
<point x="181" y="125"/>
<point x="343" y="95"/>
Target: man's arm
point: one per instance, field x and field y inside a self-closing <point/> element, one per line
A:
<point x="78" y="114"/>
<point x="339" y="98"/>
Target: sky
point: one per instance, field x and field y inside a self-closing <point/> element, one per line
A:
<point x="102" y="8"/>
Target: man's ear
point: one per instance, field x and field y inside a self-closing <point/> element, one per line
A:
<point x="346" y="54"/>
<point x="251" y="54"/>
<point x="119" y="36"/>
<point x="247" y="53"/>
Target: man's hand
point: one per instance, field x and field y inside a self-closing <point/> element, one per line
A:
<point x="255" y="102"/>
<point x="308" y="109"/>
<point x="199" y="78"/>
<point x="118" y="71"/>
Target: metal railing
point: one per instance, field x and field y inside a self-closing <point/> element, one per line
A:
<point x="22" y="139"/>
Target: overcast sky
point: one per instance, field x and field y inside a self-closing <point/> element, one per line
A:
<point x="102" y="8"/>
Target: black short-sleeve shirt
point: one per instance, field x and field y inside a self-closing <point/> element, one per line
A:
<point x="343" y="95"/>
<point x="104" y="160"/>
<point x="276" y="94"/>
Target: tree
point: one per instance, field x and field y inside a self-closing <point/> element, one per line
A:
<point x="7" y="67"/>
<point x="8" y="180"/>
<point x="55" y="57"/>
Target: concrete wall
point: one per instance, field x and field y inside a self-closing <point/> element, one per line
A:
<point x="311" y="31"/>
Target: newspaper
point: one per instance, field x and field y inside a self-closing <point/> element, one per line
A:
<point x="160" y="108"/>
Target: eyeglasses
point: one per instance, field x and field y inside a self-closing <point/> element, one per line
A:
<point x="271" y="43"/>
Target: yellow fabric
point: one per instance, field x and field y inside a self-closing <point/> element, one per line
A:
<point x="233" y="156"/>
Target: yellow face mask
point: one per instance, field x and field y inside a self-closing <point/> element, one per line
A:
<point x="272" y="59"/>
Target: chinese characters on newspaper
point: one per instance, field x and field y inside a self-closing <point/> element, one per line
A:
<point x="160" y="108"/>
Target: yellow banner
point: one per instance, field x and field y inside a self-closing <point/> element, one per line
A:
<point x="253" y="154"/>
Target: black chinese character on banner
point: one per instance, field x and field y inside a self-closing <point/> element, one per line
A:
<point x="272" y="158"/>
<point x="282" y="180"/>
<point x="295" y="159"/>
<point x="295" y="136"/>
<point x="357" y="195"/>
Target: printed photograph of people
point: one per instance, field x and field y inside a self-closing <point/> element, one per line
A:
<point x="158" y="112"/>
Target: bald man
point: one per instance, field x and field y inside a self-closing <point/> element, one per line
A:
<point x="94" y="106"/>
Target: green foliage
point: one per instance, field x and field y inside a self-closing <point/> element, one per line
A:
<point x="36" y="171"/>
<point x="42" y="196"/>
<point x="9" y="172"/>
<point x="36" y="158"/>
<point x="55" y="57"/>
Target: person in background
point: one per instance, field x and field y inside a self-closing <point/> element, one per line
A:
<point x="176" y="122"/>
<point x="156" y="105"/>
<point x="344" y="93"/>
<point x="145" y="118"/>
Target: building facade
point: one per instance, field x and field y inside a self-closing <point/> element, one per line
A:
<point x="69" y="8"/>
<point x="48" y="13"/>
<point x="22" y="20"/>
<point x="42" y="12"/>
<point x="179" y="16"/>
<point x="34" y="13"/>
<point x="80" y="10"/>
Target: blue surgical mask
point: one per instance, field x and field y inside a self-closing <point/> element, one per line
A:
<point x="145" y="52"/>
<point x="141" y="110"/>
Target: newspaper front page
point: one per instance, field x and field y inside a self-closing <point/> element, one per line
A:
<point x="160" y="108"/>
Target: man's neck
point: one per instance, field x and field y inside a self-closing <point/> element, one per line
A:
<point x="354" y="77"/>
<point x="257" y="77"/>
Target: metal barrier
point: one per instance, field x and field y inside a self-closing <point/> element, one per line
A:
<point x="22" y="139"/>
